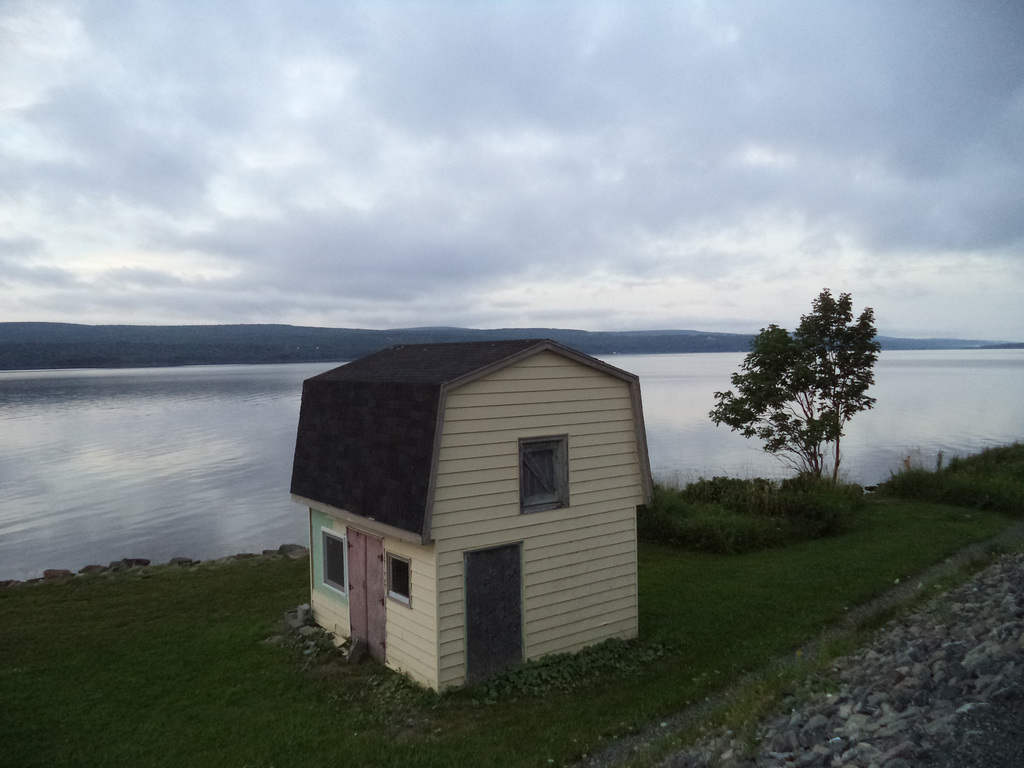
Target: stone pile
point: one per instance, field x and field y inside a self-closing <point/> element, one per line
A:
<point x="133" y="563"/>
<point x="903" y="700"/>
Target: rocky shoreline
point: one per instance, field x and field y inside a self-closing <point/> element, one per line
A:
<point x="137" y="563"/>
<point x="942" y="687"/>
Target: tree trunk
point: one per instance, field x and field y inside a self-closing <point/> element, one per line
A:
<point x="835" y="467"/>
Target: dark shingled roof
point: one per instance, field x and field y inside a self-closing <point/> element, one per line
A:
<point x="367" y="430"/>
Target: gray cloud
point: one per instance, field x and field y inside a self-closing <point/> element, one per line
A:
<point x="363" y="162"/>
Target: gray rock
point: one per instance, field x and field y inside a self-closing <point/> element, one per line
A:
<point x="917" y="689"/>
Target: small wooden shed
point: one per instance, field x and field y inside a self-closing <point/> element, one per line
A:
<point x="472" y="505"/>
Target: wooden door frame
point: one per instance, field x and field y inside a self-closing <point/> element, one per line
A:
<point x="366" y="563"/>
<point x="466" y="555"/>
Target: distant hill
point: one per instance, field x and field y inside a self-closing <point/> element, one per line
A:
<point x="28" y="346"/>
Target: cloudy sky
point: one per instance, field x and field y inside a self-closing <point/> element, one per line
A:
<point x="595" y="165"/>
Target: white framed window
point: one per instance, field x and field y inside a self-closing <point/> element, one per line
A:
<point x="335" y="566"/>
<point x="544" y="473"/>
<point x="399" y="579"/>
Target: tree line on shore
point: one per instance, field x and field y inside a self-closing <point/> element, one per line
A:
<point x="33" y="346"/>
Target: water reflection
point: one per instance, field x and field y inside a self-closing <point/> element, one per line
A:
<point x="100" y="465"/>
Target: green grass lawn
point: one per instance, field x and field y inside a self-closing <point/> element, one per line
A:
<point x="169" y="667"/>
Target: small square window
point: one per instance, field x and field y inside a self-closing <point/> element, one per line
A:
<point x="399" y="577"/>
<point x="544" y="474"/>
<point x="335" y="553"/>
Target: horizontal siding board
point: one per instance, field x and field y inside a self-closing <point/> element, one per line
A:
<point x="608" y="450"/>
<point x="451" y="605"/>
<point x="411" y="646"/>
<point x="486" y="533"/>
<point x="490" y="434"/>
<point x="453" y="675"/>
<point x="508" y="514"/>
<point x="527" y="377"/>
<point x="595" y="612"/>
<point x="618" y="433"/>
<point x="609" y="530"/>
<point x="534" y="423"/>
<point x="608" y="572"/>
<point x="494" y="525"/>
<point x="545" y="629"/>
<point x="573" y="642"/>
<point x="604" y="475"/>
<point x="515" y="405"/>
<point x="586" y="538"/>
<point x="581" y="602"/>
<point x="619" y="458"/>
<point x="570" y="605"/>
<point x="471" y="462"/>
<point x="419" y="617"/>
<point x="476" y="447"/>
<point x="547" y="562"/>
<point x="453" y="643"/>
<point x="453" y="482"/>
<point x="596" y="488"/>
<point x="451" y="580"/>
<point x="546" y="364"/>
<point x="449" y="573"/>
<point x="454" y="622"/>
<point x="327" y="615"/>
<point x="424" y="606"/>
<point x="623" y="497"/>
<point x="492" y="493"/>
<point x="453" y="667"/>
<point x="410" y="666"/>
<point x="543" y="392"/>
<point x="449" y="600"/>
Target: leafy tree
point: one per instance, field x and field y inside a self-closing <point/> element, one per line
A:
<point x="797" y="391"/>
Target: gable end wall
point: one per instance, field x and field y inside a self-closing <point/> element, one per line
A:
<point x="579" y="562"/>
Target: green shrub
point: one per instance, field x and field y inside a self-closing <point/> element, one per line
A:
<point x="728" y="515"/>
<point x="731" y="491"/>
<point x="1005" y="460"/>
<point x="715" y="529"/>
<point x="991" y="480"/>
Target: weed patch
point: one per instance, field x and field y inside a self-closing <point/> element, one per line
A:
<point x="990" y="480"/>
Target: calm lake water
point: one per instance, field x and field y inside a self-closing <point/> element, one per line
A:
<point x="98" y="465"/>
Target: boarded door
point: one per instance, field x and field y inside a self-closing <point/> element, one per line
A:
<point x="494" y="611"/>
<point x="366" y="590"/>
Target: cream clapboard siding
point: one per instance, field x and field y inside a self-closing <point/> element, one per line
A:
<point x="411" y="630"/>
<point x="579" y="562"/>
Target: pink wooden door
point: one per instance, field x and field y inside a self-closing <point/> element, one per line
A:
<point x="366" y="590"/>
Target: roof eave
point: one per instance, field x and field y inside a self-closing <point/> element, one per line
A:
<point x="366" y="524"/>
